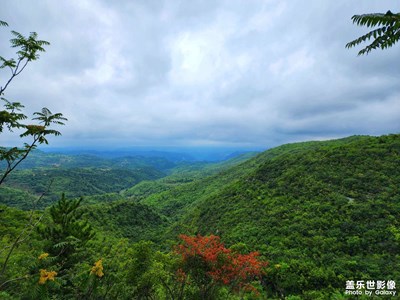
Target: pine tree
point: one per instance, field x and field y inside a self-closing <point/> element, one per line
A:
<point x="67" y="232"/>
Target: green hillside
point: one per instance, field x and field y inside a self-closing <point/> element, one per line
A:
<point x="74" y="182"/>
<point x="99" y="179"/>
<point x="322" y="212"/>
<point x="177" y="193"/>
<point x="183" y="175"/>
<point x="127" y="220"/>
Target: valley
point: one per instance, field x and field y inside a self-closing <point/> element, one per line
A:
<point x="321" y="213"/>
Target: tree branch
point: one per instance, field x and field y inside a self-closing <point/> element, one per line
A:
<point x="10" y="168"/>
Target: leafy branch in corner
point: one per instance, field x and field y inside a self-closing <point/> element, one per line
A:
<point x="385" y="36"/>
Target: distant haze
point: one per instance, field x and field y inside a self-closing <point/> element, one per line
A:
<point x="236" y="74"/>
<point x="175" y="154"/>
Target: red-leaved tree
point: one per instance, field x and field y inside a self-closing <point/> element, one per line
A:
<point x="209" y="265"/>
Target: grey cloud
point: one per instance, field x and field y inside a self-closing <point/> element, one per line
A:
<point x="205" y="72"/>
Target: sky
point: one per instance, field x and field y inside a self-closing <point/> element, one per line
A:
<point x="179" y="73"/>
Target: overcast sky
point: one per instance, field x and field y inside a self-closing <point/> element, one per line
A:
<point x="204" y="73"/>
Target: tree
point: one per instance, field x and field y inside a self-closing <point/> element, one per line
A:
<point x="67" y="231"/>
<point x="11" y="117"/>
<point x="385" y="36"/>
<point x="66" y="235"/>
<point x="209" y="265"/>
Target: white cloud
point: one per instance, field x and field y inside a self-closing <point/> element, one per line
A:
<point x="203" y="57"/>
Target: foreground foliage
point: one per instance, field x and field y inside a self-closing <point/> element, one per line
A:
<point x="70" y="262"/>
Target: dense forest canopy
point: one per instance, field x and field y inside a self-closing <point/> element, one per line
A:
<point x="317" y="214"/>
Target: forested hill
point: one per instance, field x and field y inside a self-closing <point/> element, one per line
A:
<point x="322" y="212"/>
<point x="355" y="176"/>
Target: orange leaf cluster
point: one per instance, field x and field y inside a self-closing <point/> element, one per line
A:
<point x="209" y="247"/>
<point x="221" y="264"/>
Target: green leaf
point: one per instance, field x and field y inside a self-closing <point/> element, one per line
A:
<point x="383" y="37"/>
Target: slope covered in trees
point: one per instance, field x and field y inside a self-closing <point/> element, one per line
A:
<point x="75" y="182"/>
<point x="323" y="212"/>
<point x="126" y="219"/>
<point x="99" y="179"/>
<point x="320" y="213"/>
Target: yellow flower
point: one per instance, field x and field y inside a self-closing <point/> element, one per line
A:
<point x="43" y="256"/>
<point x="46" y="275"/>
<point x="97" y="269"/>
